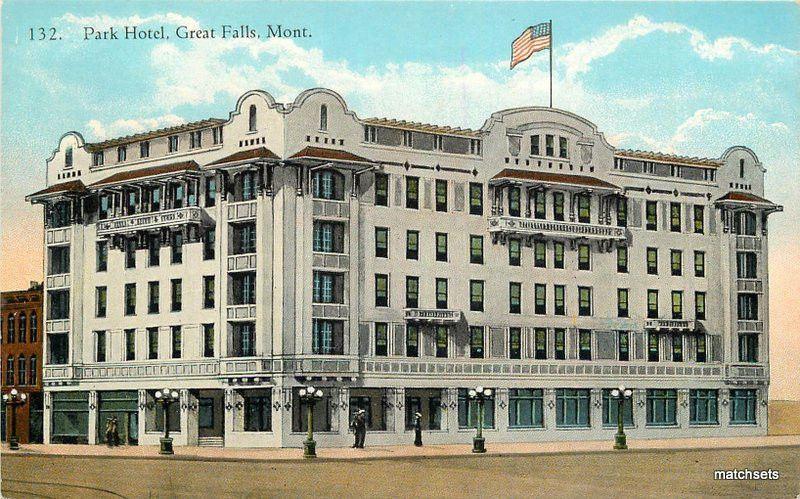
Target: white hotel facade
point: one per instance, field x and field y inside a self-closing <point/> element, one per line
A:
<point x="394" y="265"/>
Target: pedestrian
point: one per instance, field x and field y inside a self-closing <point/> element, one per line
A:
<point x="115" y="430"/>
<point x="109" y="432"/>
<point x="359" y="426"/>
<point x="418" y="429"/>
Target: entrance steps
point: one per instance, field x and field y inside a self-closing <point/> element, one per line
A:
<point x="210" y="442"/>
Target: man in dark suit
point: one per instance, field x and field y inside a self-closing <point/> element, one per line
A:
<point x="359" y="426"/>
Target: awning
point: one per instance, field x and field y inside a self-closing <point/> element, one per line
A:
<point x="247" y="156"/>
<point x="562" y="179"/>
<point x="322" y="154"/>
<point x="74" y="187"/>
<point x="153" y="172"/>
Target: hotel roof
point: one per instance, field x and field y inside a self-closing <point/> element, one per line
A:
<point x="152" y="172"/>
<point x="73" y="186"/>
<point x="554" y="178"/>
<point x="422" y="127"/>
<point x="744" y="197"/>
<point x="668" y="158"/>
<point x="161" y="132"/>
<point x="321" y="153"/>
<point x="258" y="153"/>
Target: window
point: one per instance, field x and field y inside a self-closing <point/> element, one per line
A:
<point x="205" y="412"/>
<point x="558" y="206"/>
<point x="152" y="343"/>
<point x="525" y="408"/>
<point x="584" y="301"/>
<point x="540" y="299"/>
<point x="177" y="342"/>
<point x="572" y="407"/>
<point x="476" y="295"/>
<point x="558" y="255"/>
<point x="34" y="328"/>
<point x="584" y="344"/>
<point x="476" y="249"/>
<point x="699" y="305"/>
<point x="243" y="238"/>
<point x="746" y="266"/>
<point x="408" y="138"/>
<point x="475" y="198"/>
<point x="412" y="192"/>
<point x="651" y="215"/>
<point x="381" y="290"/>
<point x="748" y="307"/>
<point x="33" y="370"/>
<point x="676" y="262"/>
<point x="252" y="118"/>
<point x="468" y="411"/>
<point x="68" y="158"/>
<point x="176" y="288"/>
<point x="22" y="375"/>
<point x="152" y="297"/>
<point x="515" y="343"/>
<point x="100" y="346"/>
<point x="548" y="145"/>
<point x="323" y="118"/>
<point x="23" y="328"/>
<point x="652" y="261"/>
<point x="130" y="299"/>
<point x="611" y="410"/>
<point x="535" y="145"/>
<point x="622" y="303"/>
<point x="173" y="143"/>
<point x="381" y="339"/>
<point x="559" y="307"/>
<point x="514" y="209"/>
<point x="327" y="184"/>
<point x="412" y="245"/>
<point x="622" y="212"/>
<point x="675" y="217"/>
<point x="153" y="250"/>
<point x="59" y="304"/>
<point x="441" y="341"/>
<point x="562" y="147"/>
<point x="208" y="340"/>
<point x="623" y="346"/>
<point x="743" y="406"/>
<point x="58" y="348"/>
<point x="370" y="134"/>
<point x="514" y="252"/>
<point x="652" y="304"/>
<point x="653" y="354"/>
<point x="144" y="149"/>
<point x="130" y="253"/>
<point x="584" y="257"/>
<point x="699" y="225"/>
<point x="700" y="348"/>
<point x="195" y="139"/>
<point x="540" y="343"/>
<point x="328" y="287"/>
<point x="441" y="293"/>
<point x="441" y="195"/>
<point x="412" y="292"/>
<point x="208" y="291"/>
<point x="584" y="208"/>
<point x="102" y="256"/>
<point x="97" y="158"/>
<point x="412" y="340"/>
<point x="101" y="299"/>
<point x="699" y="264"/>
<point x="216" y="135"/>
<point x="59" y="260"/>
<point x="441" y="247"/>
<point x="539" y="204"/>
<point x="540" y="254"/>
<point x="677" y="304"/>
<point x="748" y="348"/>
<point x="381" y="242"/>
<point x="177" y="248"/>
<point x="381" y="189"/>
<point x="560" y="344"/>
<point x="515" y="298"/>
<point x="257" y="412"/>
<point x="10" y="370"/>
<point x="130" y="344"/>
<point x="703" y="407"/>
<point x="476" y="342"/>
<point x="677" y="347"/>
<point x="661" y="407"/>
<point x="244" y="344"/>
<point x="475" y="147"/>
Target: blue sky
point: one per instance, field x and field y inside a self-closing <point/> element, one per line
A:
<point x="689" y="78"/>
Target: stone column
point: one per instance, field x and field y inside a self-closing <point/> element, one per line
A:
<point x="501" y="410"/>
<point x="550" y="408"/>
<point x="47" y="416"/>
<point x="450" y="415"/>
<point x="228" y="406"/>
<point x="682" y="416"/>
<point x="724" y="407"/>
<point x="142" y="415"/>
<point x="596" y="408"/>
<point x="640" y="408"/>
<point x="92" y="433"/>
<point x="398" y="410"/>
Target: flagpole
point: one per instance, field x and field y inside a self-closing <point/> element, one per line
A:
<point x="551" y="62"/>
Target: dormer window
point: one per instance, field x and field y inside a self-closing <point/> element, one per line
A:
<point x="173" y="143"/>
<point x="216" y="134"/>
<point x="370" y="134"/>
<point x="438" y="142"/>
<point x="122" y="154"/>
<point x="252" y="121"/>
<point x="741" y="168"/>
<point x="562" y="147"/>
<point x="97" y="158"/>
<point x="323" y="118"/>
<point x="68" y="158"/>
<point x="144" y="149"/>
<point x="196" y="139"/>
<point x="408" y="139"/>
<point x="475" y="147"/>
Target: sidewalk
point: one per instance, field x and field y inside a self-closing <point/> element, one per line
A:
<point x="399" y="451"/>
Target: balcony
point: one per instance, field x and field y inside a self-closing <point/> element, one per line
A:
<point x="508" y="225"/>
<point x="432" y="315"/>
<point x="686" y="326"/>
<point x="148" y="369"/>
<point x="155" y="220"/>
<point x="57" y="326"/>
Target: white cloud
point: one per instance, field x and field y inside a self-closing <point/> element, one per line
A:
<point x="103" y="21"/>
<point x="121" y="127"/>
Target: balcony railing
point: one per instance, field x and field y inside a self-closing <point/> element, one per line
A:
<point x="331" y="209"/>
<point x="58" y="281"/>
<point x="241" y="263"/>
<point x="157" y="219"/>
<point x="241" y="312"/>
<point x="752" y="243"/>
<point x="750" y="285"/>
<point x="244" y="210"/>
<point x="553" y="228"/>
<point x="750" y="326"/>
<point x="332" y="261"/>
<point x="670" y="325"/>
<point x="433" y="315"/>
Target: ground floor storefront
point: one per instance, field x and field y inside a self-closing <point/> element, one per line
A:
<point x="260" y="414"/>
<point x="29" y="419"/>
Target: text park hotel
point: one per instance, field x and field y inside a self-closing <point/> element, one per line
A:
<point x="394" y="265"/>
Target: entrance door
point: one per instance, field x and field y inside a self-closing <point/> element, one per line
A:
<point x="210" y="414"/>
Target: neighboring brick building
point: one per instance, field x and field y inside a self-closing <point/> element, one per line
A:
<point x="21" y="313"/>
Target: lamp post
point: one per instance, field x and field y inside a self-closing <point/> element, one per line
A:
<point x="309" y="396"/>
<point x="14" y="399"/>
<point x="166" y="397"/>
<point x="479" y="394"/>
<point x="621" y="393"/>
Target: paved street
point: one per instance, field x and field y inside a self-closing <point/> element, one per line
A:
<point x="637" y="472"/>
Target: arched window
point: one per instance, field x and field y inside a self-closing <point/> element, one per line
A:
<point x="23" y="366"/>
<point x="741" y="168"/>
<point x="68" y="158"/>
<point x="11" y="329"/>
<point x="252" y="117"/>
<point x="323" y="117"/>
<point x="34" y="328"/>
<point x="23" y="328"/>
<point x="10" y="370"/>
<point x="34" y="375"/>
<point x="328" y="184"/>
<point x="745" y="223"/>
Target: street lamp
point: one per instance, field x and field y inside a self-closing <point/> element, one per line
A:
<point x="165" y="397"/>
<point x="14" y="399"/>
<point x="479" y="394"/>
<point x="621" y="393"/>
<point x="309" y="396"/>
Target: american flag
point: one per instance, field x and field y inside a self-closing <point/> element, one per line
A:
<point x="532" y="40"/>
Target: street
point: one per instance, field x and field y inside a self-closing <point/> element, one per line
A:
<point x="636" y="472"/>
